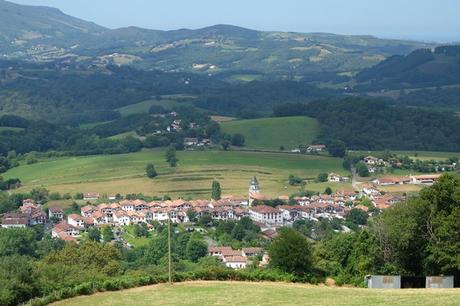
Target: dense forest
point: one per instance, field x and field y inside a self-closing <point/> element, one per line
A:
<point x="366" y="124"/>
<point x="420" y="68"/>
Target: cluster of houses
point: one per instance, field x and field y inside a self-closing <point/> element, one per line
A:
<point x="237" y="259"/>
<point x="425" y="179"/>
<point x="337" y="178"/>
<point x="29" y="214"/>
<point x="191" y="142"/>
<point x="311" y="149"/>
<point x="268" y="218"/>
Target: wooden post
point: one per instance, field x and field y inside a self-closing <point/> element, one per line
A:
<point x="169" y="249"/>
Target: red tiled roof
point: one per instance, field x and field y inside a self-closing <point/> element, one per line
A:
<point x="264" y="209"/>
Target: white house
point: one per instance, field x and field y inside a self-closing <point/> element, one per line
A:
<point x="76" y="220"/>
<point x="56" y="212"/>
<point x="265" y="214"/>
<point x="236" y="262"/>
<point x="122" y="218"/>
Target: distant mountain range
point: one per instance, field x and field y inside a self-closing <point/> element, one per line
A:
<point x="46" y="34"/>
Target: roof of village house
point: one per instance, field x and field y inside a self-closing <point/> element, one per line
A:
<point x="103" y="206"/>
<point x="289" y="207"/>
<point x="237" y="258"/>
<point x="75" y="217"/>
<point x="91" y="195"/>
<point x="89" y="221"/>
<point x="121" y="213"/>
<point x="115" y="206"/>
<point x="264" y="209"/>
<point x="97" y="215"/>
<point x="258" y="196"/>
<point x="64" y="236"/>
<point x="62" y="226"/>
<point x="15" y="221"/>
<point x="427" y="176"/>
<point x="126" y="203"/>
<point x="252" y="250"/>
<point x="317" y="146"/>
<point x="56" y="209"/>
<point x="218" y="249"/>
<point x="270" y="233"/>
<point x="88" y="208"/>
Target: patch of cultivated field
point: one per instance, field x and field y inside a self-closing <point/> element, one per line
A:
<point x="241" y="293"/>
<point x="271" y="133"/>
<point x="125" y="173"/>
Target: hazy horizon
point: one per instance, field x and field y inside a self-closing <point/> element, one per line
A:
<point x="422" y="20"/>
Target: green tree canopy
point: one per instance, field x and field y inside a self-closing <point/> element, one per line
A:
<point x="291" y="252"/>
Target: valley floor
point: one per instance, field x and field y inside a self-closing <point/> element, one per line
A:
<point x="242" y="293"/>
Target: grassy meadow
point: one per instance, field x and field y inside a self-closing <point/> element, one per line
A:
<point x="125" y="173"/>
<point x="264" y="293"/>
<point x="271" y="133"/>
<point x="167" y="101"/>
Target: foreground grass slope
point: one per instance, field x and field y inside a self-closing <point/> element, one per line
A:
<point x="271" y="133"/>
<point x="240" y="293"/>
<point x="196" y="170"/>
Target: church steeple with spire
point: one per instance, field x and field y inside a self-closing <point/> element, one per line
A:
<point x="254" y="189"/>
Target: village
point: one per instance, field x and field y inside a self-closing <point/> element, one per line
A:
<point x="118" y="213"/>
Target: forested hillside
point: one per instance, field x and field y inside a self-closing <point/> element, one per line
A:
<point x="420" y="68"/>
<point x="375" y="125"/>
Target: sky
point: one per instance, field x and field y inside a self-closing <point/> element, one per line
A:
<point x="427" y="20"/>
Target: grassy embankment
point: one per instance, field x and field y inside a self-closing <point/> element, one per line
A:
<point x="241" y="293"/>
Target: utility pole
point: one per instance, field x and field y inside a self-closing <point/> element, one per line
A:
<point x="169" y="249"/>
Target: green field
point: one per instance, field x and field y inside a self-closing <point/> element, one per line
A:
<point x="167" y="102"/>
<point x="271" y="133"/>
<point x="240" y="293"/>
<point x="196" y="170"/>
<point x="422" y="155"/>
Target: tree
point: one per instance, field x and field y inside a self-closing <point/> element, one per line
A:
<point x="322" y="177"/>
<point x="216" y="191"/>
<point x="150" y="170"/>
<point x="17" y="241"/>
<point x="238" y="140"/>
<point x="337" y="148"/>
<point x="294" y="180"/>
<point x="191" y="215"/>
<point x="328" y="190"/>
<point x="362" y="170"/>
<point x="196" y="248"/>
<point x="94" y="234"/>
<point x="225" y="145"/>
<point x="291" y="252"/>
<point x="18" y="280"/>
<point x="238" y="232"/>
<point x="107" y="234"/>
<point x="141" y="230"/>
<point x="357" y="216"/>
<point x="171" y="157"/>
